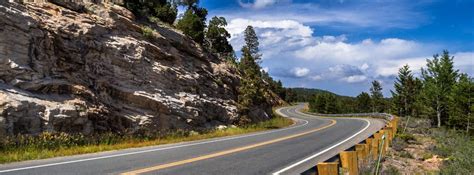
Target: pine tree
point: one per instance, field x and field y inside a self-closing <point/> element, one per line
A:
<point x="418" y="106"/>
<point x="251" y="41"/>
<point x="217" y="36"/>
<point x="250" y="90"/>
<point x="405" y="92"/>
<point x="461" y="103"/>
<point x="377" y="97"/>
<point x="439" y="78"/>
<point x="193" y="22"/>
<point x="363" y="102"/>
<point x="164" y="10"/>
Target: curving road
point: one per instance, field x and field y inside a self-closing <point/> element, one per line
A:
<point x="290" y="150"/>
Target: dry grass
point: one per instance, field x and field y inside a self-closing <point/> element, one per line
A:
<point x="48" y="146"/>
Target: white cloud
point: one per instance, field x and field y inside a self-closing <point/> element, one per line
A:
<point x="238" y="25"/>
<point x="354" y="78"/>
<point x="316" y="77"/>
<point x="359" y="15"/>
<point x="257" y="4"/>
<point x="364" y="67"/>
<point x="342" y="51"/>
<point x="300" y="71"/>
<point x="274" y="36"/>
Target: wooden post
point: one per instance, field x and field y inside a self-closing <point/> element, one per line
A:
<point x="395" y="125"/>
<point x="367" y="152"/>
<point x="375" y="148"/>
<point x="360" y="149"/>
<point x="389" y="135"/>
<point x="349" y="162"/>
<point x="368" y="142"/>
<point x="328" y="168"/>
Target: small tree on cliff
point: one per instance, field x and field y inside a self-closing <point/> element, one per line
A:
<point x="217" y="36"/>
<point x="162" y="9"/>
<point x="251" y="41"/>
<point x="250" y="93"/>
<point x="193" y="24"/>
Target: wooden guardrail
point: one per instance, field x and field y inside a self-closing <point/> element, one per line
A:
<point x="370" y="150"/>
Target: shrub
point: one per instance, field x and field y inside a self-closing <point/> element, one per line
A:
<point x="405" y="154"/>
<point x="426" y="156"/>
<point x="147" y="32"/>
<point x="406" y="137"/>
<point x="399" y="144"/>
<point x="458" y="148"/>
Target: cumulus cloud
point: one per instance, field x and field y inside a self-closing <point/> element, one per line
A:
<point x="300" y="71"/>
<point x="271" y="34"/>
<point x="292" y="49"/>
<point x="289" y="46"/>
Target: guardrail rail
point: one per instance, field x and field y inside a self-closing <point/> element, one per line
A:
<point x="367" y="153"/>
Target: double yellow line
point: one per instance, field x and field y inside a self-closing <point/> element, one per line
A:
<point x="221" y="153"/>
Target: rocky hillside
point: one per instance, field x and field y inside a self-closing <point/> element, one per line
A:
<point x="90" y="68"/>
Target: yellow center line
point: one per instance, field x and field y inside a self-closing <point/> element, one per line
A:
<point x="217" y="154"/>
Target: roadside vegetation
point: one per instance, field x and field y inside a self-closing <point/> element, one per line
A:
<point x="425" y="149"/>
<point x="47" y="145"/>
<point x="436" y="134"/>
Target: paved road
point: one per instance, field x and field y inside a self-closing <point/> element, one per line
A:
<point x="285" y="151"/>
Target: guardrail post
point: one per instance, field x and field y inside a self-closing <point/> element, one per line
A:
<point x="375" y="148"/>
<point x="390" y="135"/>
<point x="360" y="149"/>
<point x="395" y="125"/>
<point x="349" y="162"/>
<point x="328" y="168"/>
<point x="368" y="142"/>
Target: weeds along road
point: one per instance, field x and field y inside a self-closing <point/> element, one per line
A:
<point x="284" y="151"/>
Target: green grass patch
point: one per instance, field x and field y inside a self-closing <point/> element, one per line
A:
<point x="47" y="145"/>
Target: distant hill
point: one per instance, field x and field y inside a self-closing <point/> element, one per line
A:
<point x="305" y="94"/>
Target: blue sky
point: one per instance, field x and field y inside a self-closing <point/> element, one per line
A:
<point x="343" y="45"/>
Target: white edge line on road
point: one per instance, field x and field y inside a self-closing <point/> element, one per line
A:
<point x="159" y="149"/>
<point x="323" y="151"/>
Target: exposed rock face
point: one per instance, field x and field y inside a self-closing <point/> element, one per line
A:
<point x="93" y="70"/>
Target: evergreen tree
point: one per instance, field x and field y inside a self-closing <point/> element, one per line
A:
<point x="363" y="102"/>
<point x="325" y="103"/>
<point x="405" y="92"/>
<point x="377" y="97"/>
<point x="290" y="95"/>
<point x="462" y="106"/>
<point x="251" y="41"/>
<point x="250" y="90"/>
<point x="439" y="79"/>
<point x="162" y="9"/>
<point x="217" y="36"/>
<point x="193" y="21"/>
<point x="166" y="13"/>
<point x="188" y="3"/>
<point x="418" y="106"/>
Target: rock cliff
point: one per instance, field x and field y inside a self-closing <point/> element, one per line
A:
<point x="89" y="69"/>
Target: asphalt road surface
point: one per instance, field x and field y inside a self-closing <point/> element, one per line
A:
<point x="291" y="150"/>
